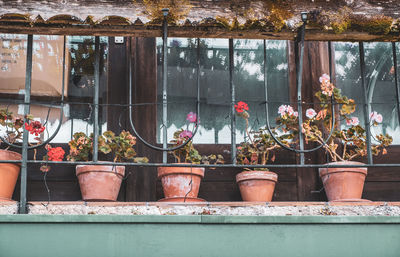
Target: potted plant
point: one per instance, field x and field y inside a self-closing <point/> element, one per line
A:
<point x="181" y="184"/>
<point x="102" y="182"/>
<point x="14" y="127"/>
<point x="259" y="184"/>
<point x="347" y="142"/>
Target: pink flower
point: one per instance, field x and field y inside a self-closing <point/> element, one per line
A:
<point x="379" y="118"/>
<point x="185" y="134"/>
<point x="376" y="117"/>
<point x="310" y="113"/>
<point x="191" y="117"/>
<point x="282" y="109"/>
<point x="289" y="110"/>
<point x="353" y="121"/>
<point x="296" y="114"/>
<point x="324" y="78"/>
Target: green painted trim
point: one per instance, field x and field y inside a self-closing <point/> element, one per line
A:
<point x="211" y="236"/>
<point x="199" y="219"/>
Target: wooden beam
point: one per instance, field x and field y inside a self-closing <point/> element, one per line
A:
<point x="208" y="19"/>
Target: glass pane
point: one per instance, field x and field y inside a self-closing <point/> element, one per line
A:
<point x="381" y="90"/>
<point x="249" y="80"/>
<point x="13" y="62"/>
<point x="47" y="74"/>
<point x="214" y="84"/>
<point x="182" y="88"/>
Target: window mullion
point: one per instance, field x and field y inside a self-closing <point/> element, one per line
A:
<point x="366" y="105"/>
<point x="233" y="99"/>
<point x="96" y="98"/>
<point x="396" y="81"/>
<point x="24" y="165"/>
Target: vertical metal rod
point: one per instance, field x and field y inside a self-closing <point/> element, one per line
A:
<point x="266" y="82"/>
<point x="165" y="87"/>
<point x="198" y="81"/>
<point x="96" y="98"/>
<point x="63" y="72"/>
<point x="233" y="99"/>
<point x="396" y="79"/>
<point x="366" y="104"/>
<point x="330" y="59"/>
<point x="299" y="87"/>
<point x="25" y="138"/>
<point x="72" y="128"/>
<point x="130" y="80"/>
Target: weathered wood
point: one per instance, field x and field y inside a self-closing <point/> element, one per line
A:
<point x="382" y="191"/>
<point x="59" y="191"/>
<point x="142" y="185"/>
<point x="316" y="62"/>
<point x="127" y="18"/>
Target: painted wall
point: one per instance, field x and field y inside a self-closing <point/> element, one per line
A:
<point x="36" y="235"/>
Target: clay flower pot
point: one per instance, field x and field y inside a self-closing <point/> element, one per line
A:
<point x="343" y="184"/>
<point x="257" y="186"/>
<point x="180" y="184"/>
<point x="100" y="182"/>
<point x="8" y="174"/>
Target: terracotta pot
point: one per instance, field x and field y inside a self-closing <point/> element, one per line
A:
<point x="256" y="185"/>
<point x="100" y="182"/>
<point x="180" y="181"/>
<point x="8" y="174"/>
<point x="341" y="184"/>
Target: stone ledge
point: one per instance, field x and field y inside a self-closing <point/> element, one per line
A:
<point x="218" y="208"/>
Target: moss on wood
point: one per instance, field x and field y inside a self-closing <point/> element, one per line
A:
<point x="178" y="10"/>
<point x="378" y="24"/>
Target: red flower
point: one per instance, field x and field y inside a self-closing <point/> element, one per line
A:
<point x="55" y="154"/>
<point x="35" y="127"/>
<point x="241" y="106"/>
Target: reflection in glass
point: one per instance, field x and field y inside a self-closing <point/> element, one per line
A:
<point x="214" y="83"/>
<point x="381" y="90"/>
<point x="47" y="72"/>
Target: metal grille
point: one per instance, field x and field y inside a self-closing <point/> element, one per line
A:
<point x="95" y="105"/>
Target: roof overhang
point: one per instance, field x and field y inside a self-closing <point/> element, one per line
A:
<point x="207" y="19"/>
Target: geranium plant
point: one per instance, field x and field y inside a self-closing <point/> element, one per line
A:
<point x="351" y="135"/>
<point x="188" y="154"/>
<point x="14" y="126"/>
<point x="55" y="154"/>
<point x="259" y="144"/>
<point x="14" y="131"/>
<point x="120" y="146"/>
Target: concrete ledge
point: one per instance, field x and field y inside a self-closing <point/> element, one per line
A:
<point x="199" y="219"/>
<point x="201" y="235"/>
<point x="217" y="208"/>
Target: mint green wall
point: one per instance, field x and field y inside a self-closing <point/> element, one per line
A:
<point x="175" y="236"/>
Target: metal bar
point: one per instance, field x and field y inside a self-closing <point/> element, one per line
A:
<point x="330" y="59"/>
<point x="24" y="164"/>
<point x="396" y="79"/>
<point x="299" y="87"/>
<point x="198" y="83"/>
<point x="366" y="103"/>
<point x="233" y="99"/>
<point x="165" y="87"/>
<point x="96" y="98"/>
<point x="205" y="165"/>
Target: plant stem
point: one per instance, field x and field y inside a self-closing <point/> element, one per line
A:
<point x="333" y="154"/>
